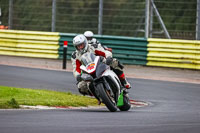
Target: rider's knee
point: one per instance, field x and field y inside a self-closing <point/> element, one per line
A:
<point x="82" y="87"/>
<point x="116" y="64"/>
<point x="82" y="84"/>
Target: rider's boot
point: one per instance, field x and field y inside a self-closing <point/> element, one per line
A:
<point x="118" y="69"/>
<point x="124" y="81"/>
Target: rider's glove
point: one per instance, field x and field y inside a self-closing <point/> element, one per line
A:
<point x="109" y="60"/>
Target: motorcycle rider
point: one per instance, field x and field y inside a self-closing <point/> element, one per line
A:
<point x="81" y="45"/>
<point x="89" y="35"/>
<point x="92" y="41"/>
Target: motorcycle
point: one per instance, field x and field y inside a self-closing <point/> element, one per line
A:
<point x="103" y="83"/>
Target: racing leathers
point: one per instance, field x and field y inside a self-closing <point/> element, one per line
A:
<point x="94" y="41"/>
<point x="97" y="49"/>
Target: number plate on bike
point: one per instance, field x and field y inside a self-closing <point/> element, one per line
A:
<point x="90" y="66"/>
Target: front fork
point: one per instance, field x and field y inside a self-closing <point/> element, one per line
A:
<point x="107" y="86"/>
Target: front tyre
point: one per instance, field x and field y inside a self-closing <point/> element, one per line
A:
<point x="106" y="98"/>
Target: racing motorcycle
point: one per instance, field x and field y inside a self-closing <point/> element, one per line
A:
<point x="103" y="83"/>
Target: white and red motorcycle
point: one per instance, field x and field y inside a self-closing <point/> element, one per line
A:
<point x="103" y="83"/>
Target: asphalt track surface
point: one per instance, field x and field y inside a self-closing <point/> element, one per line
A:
<point x="173" y="107"/>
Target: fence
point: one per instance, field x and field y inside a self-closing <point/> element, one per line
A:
<point x="113" y="17"/>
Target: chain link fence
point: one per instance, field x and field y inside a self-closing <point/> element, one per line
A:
<point x="113" y="17"/>
<point x="179" y="18"/>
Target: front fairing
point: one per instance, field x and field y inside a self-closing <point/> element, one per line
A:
<point x="93" y="65"/>
<point x="101" y="67"/>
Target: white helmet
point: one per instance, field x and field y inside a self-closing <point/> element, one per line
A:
<point x="78" y="40"/>
<point x="88" y="34"/>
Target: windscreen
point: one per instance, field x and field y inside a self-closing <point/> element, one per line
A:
<point x="87" y="58"/>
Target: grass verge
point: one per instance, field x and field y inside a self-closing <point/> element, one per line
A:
<point x="11" y="97"/>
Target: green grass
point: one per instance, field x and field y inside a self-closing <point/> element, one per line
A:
<point x="11" y="97"/>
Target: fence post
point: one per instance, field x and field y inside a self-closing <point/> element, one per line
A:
<point x="198" y="21"/>
<point x="100" y="17"/>
<point x="10" y="17"/>
<point x="147" y="12"/>
<point x="0" y="15"/>
<point x="53" y="23"/>
<point x="151" y="21"/>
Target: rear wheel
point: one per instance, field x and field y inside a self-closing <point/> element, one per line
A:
<point x="107" y="99"/>
<point x="127" y="104"/>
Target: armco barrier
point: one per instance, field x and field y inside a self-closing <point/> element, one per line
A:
<point x="29" y="43"/>
<point x="50" y="45"/>
<point x="128" y="50"/>
<point x="174" y="53"/>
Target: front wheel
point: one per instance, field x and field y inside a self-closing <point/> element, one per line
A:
<point x="107" y="99"/>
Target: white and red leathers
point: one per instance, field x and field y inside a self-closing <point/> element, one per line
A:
<point x="76" y="57"/>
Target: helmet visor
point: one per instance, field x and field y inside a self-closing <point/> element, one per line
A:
<point x="80" y="46"/>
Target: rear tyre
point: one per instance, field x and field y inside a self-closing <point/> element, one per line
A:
<point x="127" y="104"/>
<point x="106" y="98"/>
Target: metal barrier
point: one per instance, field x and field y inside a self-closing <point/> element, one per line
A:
<point x="128" y="50"/>
<point x="50" y="45"/>
<point x="29" y="43"/>
<point x="174" y="53"/>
